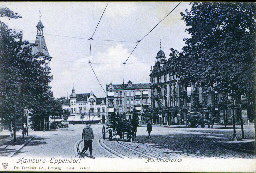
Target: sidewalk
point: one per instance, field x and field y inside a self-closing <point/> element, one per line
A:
<point x="203" y="142"/>
<point x="8" y="148"/>
<point x="244" y="145"/>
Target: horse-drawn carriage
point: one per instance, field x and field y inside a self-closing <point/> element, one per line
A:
<point x="120" y="127"/>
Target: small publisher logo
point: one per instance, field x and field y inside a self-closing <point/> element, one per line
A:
<point x="5" y="165"/>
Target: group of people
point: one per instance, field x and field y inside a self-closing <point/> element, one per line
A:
<point x="88" y="136"/>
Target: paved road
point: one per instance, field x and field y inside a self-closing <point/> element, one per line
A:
<point x="61" y="143"/>
<point x="165" y="143"/>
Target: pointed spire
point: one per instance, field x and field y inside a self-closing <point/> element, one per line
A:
<point x="160" y="44"/>
<point x="40" y="15"/>
<point x="73" y="89"/>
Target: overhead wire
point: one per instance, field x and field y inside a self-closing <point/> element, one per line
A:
<point x="98" y="22"/>
<point x="138" y="42"/>
<point x="96" y="77"/>
<point x="85" y="38"/>
<point x="90" y="49"/>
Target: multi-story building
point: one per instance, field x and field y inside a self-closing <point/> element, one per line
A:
<point x="127" y="98"/>
<point x="85" y="106"/>
<point x="174" y="100"/>
<point x="165" y="91"/>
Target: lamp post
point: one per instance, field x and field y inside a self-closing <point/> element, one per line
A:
<point x="234" y="120"/>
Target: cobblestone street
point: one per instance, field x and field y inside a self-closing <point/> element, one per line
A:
<point x="165" y="142"/>
<point x="203" y="142"/>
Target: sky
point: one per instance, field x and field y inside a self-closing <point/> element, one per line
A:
<point x="69" y="25"/>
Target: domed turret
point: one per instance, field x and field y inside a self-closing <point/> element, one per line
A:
<point x="161" y="53"/>
<point x="160" y="56"/>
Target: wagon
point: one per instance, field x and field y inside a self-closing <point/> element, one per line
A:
<point x="120" y="130"/>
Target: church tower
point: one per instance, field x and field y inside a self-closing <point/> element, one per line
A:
<point x="40" y="44"/>
<point x="73" y="101"/>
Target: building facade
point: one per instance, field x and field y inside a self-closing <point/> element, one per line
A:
<point x="174" y="100"/>
<point x="85" y="106"/>
<point x="126" y="98"/>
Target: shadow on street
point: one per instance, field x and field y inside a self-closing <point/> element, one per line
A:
<point x="201" y="145"/>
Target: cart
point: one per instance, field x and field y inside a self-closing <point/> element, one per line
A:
<point x="121" y="130"/>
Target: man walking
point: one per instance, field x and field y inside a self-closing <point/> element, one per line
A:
<point x="149" y="129"/>
<point x="87" y="136"/>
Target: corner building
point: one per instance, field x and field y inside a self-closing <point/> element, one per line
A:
<point x="124" y="99"/>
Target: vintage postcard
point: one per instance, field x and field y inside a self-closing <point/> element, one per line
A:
<point x="127" y="86"/>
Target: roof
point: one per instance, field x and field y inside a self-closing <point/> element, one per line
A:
<point x="82" y="97"/>
<point x="130" y="86"/>
<point x="40" y="24"/>
<point x="100" y="100"/>
<point x="40" y="46"/>
<point x="160" y="54"/>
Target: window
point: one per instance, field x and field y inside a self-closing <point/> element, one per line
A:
<point x="98" y="109"/>
<point x="103" y="109"/>
<point x="145" y="92"/>
<point x="137" y="93"/>
<point x="110" y="93"/>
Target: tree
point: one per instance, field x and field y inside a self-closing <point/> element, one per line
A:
<point x="24" y="78"/>
<point x="10" y="85"/>
<point x="222" y="47"/>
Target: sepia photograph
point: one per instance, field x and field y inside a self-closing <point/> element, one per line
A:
<point x="127" y="86"/>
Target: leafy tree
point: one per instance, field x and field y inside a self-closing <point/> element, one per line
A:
<point x="24" y="79"/>
<point x="221" y="47"/>
<point x="10" y="84"/>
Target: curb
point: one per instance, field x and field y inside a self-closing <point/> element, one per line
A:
<point x="11" y="155"/>
<point x="104" y="146"/>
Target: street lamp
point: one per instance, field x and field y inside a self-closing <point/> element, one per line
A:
<point x="234" y="120"/>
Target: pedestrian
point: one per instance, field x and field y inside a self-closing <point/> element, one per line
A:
<point x="87" y="136"/>
<point x="24" y="130"/>
<point x="149" y="129"/>
<point x="104" y="132"/>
